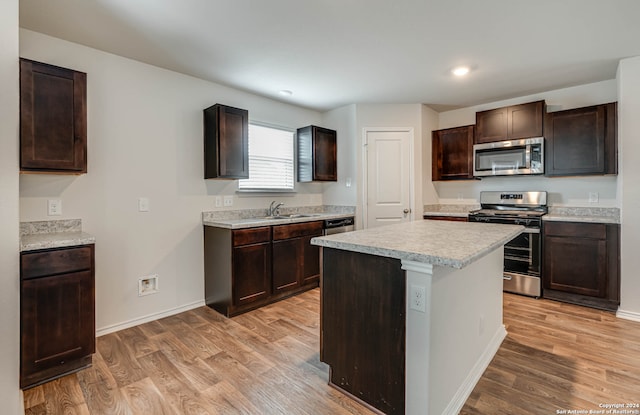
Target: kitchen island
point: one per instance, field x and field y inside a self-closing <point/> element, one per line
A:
<point x="411" y="314"/>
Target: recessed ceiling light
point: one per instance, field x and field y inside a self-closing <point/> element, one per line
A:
<point x="285" y="92"/>
<point x="460" y="70"/>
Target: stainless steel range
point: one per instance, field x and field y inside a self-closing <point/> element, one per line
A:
<point x="522" y="255"/>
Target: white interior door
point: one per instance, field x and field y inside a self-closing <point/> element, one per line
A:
<point x="388" y="176"/>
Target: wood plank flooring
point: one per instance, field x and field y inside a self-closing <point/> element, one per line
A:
<point x="559" y="357"/>
<point x="556" y="356"/>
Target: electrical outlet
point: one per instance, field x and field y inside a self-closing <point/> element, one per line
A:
<point x="416" y="298"/>
<point x="143" y="204"/>
<point x="228" y="200"/>
<point x="148" y="285"/>
<point x="54" y="207"/>
<point x="218" y="201"/>
<point x="593" y="197"/>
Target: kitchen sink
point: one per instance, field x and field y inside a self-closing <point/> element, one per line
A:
<point x="291" y="216"/>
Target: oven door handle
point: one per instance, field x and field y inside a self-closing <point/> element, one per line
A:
<point x="531" y="230"/>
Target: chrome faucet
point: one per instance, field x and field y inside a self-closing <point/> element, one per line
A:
<point x="273" y="210"/>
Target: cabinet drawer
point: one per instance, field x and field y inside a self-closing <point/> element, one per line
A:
<point x="251" y="236"/>
<point x="576" y="229"/>
<point x="56" y="261"/>
<point x="296" y="230"/>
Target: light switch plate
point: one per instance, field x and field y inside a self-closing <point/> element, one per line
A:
<point x="54" y="207"/>
<point x="218" y="201"/>
<point x="143" y="204"/>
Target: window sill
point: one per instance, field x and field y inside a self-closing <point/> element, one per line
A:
<point x="264" y="192"/>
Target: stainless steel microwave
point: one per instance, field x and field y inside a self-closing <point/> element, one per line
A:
<point x="507" y="158"/>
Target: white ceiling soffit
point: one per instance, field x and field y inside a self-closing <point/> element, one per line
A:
<point x="330" y="53"/>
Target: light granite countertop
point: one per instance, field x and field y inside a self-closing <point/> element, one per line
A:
<point x="242" y="219"/>
<point x="559" y="213"/>
<point x="53" y="234"/>
<point x="444" y="243"/>
<point x="583" y="214"/>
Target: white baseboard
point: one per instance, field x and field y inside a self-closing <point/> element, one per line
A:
<point x="628" y="315"/>
<point x="463" y="392"/>
<point x="150" y="317"/>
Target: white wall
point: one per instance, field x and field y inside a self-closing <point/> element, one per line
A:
<point x="430" y="122"/>
<point x="629" y="159"/>
<point x="393" y="115"/>
<point x="344" y="191"/>
<point x="145" y="140"/>
<point x="567" y="191"/>
<point x="9" y="244"/>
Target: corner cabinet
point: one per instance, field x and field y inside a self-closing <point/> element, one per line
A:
<point x="452" y="153"/>
<point x="248" y="268"/>
<point x="581" y="263"/>
<point x="226" y="142"/>
<point x="510" y="123"/>
<point x="317" y="154"/>
<point x="57" y="313"/>
<point x="53" y="119"/>
<point x="581" y="141"/>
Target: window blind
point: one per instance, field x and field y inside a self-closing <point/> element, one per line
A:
<point x="270" y="159"/>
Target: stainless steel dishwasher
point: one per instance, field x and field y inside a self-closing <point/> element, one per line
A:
<point x="332" y="226"/>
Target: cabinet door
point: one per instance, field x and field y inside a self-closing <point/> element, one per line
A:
<point x="287" y="261"/>
<point x="57" y="319"/>
<point x="251" y="273"/>
<point x="53" y="118"/>
<point x="452" y="155"/>
<point x="226" y="136"/>
<point x="510" y="123"/>
<point x="491" y="125"/>
<point x="324" y="155"/>
<point x="525" y="120"/>
<point x="575" y="258"/>
<point x="581" y="141"/>
<point x="311" y="259"/>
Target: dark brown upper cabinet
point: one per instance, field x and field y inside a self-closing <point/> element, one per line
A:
<point x="452" y="153"/>
<point x="53" y="119"/>
<point x="226" y="142"/>
<point x="582" y="141"/>
<point x="510" y="123"/>
<point x="317" y="154"/>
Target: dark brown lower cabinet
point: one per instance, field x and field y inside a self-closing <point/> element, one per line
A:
<point x="251" y="272"/>
<point x="363" y="327"/>
<point x="57" y="313"/>
<point x="248" y="268"/>
<point x="295" y="261"/>
<point x="449" y="218"/>
<point x="581" y="263"/>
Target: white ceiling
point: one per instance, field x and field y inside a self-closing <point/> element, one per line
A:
<point x="336" y="52"/>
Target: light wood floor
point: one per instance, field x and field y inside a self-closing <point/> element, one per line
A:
<point x="556" y="356"/>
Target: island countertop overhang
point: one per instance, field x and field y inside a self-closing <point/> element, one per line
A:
<point x="442" y="243"/>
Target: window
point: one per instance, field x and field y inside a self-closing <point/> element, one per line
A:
<point x="270" y="159"/>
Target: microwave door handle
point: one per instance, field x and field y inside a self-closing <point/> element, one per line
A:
<point x="527" y="156"/>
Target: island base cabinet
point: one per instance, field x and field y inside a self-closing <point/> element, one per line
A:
<point x="365" y="350"/>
